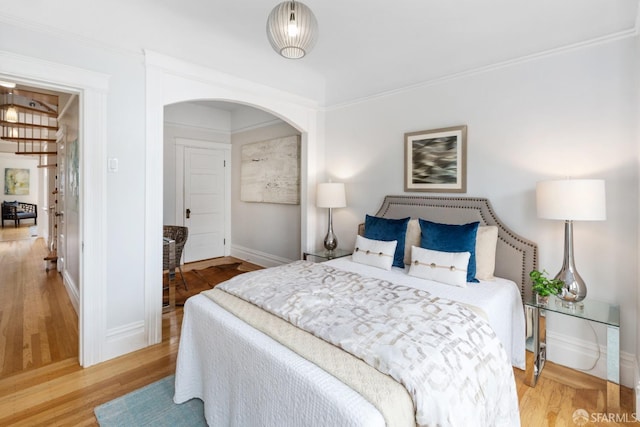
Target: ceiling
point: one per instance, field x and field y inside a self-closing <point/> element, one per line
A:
<point x="365" y="47"/>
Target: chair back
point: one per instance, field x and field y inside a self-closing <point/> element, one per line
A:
<point x="180" y="235"/>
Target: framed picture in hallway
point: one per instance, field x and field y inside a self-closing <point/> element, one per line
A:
<point x="435" y="160"/>
<point x="16" y="181"/>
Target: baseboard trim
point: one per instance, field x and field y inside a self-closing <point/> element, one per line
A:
<point x="253" y="256"/>
<point x="72" y="291"/>
<point x="124" y="339"/>
<point x="580" y="355"/>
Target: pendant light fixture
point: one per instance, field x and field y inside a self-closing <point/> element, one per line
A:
<point x="292" y="29"/>
<point x="12" y="113"/>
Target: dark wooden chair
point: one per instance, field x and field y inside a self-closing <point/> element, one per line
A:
<point x="180" y="235"/>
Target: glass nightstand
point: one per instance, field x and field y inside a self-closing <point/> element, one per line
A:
<point x="595" y="311"/>
<point x="326" y="255"/>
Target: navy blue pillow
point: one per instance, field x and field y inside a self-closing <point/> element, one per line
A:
<point x="387" y="230"/>
<point x="451" y="238"/>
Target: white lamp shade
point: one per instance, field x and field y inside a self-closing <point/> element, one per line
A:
<point x="292" y="29"/>
<point x="571" y="199"/>
<point x="331" y="195"/>
<point x="12" y="115"/>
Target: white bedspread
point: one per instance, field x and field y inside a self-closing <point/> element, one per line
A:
<point x="500" y="299"/>
<point x="448" y="358"/>
<point x="246" y="378"/>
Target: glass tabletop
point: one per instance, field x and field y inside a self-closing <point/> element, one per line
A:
<point x="588" y="309"/>
<point x="323" y="253"/>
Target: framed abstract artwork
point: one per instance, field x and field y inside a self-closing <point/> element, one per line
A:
<point x="270" y="171"/>
<point x="16" y="181"/>
<point x="435" y="160"/>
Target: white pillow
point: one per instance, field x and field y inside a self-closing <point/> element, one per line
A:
<point x="444" y="267"/>
<point x="375" y="253"/>
<point x="486" y="242"/>
<point x="414" y="234"/>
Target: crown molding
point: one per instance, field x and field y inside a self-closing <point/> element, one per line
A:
<point x="158" y="59"/>
<point x="274" y="122"/>
<point x="633" y="32"/>
<point x="51" y="30"/>
<point x="226" y="132"/>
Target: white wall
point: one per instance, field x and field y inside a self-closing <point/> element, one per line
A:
<point x="125" y="133"/>
<point x="21" y="162"/>
<point x="263" y="233"/>
<point x="567" y="114"/>
<point x="36" y="184"/>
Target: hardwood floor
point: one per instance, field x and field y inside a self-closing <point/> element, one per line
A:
<point x="38" y="325"/>
<point x="562" y="391"/>
<point x="61" y="393"/>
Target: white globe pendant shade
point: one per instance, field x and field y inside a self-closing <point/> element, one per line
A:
<point x="292" y="29"/>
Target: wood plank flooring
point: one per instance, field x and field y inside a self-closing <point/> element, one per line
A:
<point x="61" y="393"/>
<point x="38" y="325"/>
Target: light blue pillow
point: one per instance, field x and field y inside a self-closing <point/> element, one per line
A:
<point x="451" y="238"/>
<point x="385" y="229"/>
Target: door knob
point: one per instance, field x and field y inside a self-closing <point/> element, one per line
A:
<point x="188" y="213"/>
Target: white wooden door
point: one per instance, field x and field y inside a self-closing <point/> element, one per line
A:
<point x="204" y="203"/>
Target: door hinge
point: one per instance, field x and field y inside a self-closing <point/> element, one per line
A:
<point x="224" y="242"/>
<point x="224" y="163"/>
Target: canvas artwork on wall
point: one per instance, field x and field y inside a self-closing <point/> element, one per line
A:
<point x="73" y="175"/>
<point x="16" y="181"/>
<point x="435" y="160"/>
<point x="270" y="171"/>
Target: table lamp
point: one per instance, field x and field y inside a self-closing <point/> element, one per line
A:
<point x="331" y="195"/>
<point x="571" y="200"/>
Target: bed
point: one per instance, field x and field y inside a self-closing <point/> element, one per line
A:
<point x="250" y="366"/>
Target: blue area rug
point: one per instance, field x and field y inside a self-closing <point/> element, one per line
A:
<point x="151" y="406"/>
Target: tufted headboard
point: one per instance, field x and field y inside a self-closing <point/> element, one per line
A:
<point x="515" y="255"/>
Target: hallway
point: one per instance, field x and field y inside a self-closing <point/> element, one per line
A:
<point x="38" y="325"/>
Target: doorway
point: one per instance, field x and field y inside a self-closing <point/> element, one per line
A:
<point x="92" y="89"/>
<point x="40" y="295"/>
<point x="223" y="128"/>
<point x="171" y="81"/>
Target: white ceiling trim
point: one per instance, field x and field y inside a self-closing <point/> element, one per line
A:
<point x="51" y="30"/>
<point x="195" y="127"/>
<point x="492" y="67"/>
<point x="21" y="68"/>
<point x="275" y="121"/>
